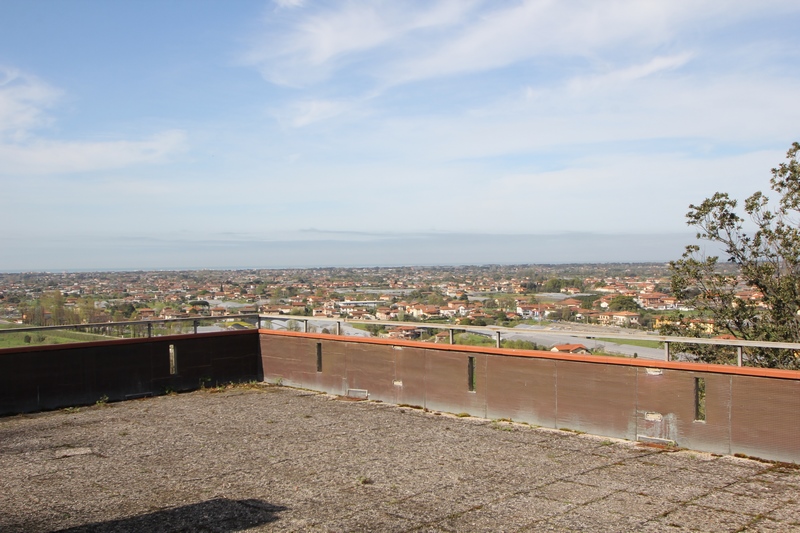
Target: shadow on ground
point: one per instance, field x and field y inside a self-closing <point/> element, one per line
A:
<point x="219" y="515"/>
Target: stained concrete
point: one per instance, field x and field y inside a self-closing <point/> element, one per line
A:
<point x="278" y="459"/>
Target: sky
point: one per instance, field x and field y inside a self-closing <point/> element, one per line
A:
<point x="211" y="134"/>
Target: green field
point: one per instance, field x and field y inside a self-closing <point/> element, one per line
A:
<point x="634" y="342"/>
<point x="36" y="338"/>
<point x="471" y="339"/>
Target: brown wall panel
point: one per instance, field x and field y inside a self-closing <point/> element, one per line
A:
<point x="371" y="368"/>
<point x="214" y="360"/>
<point x="293" y="361"/>
<point x="666" y="409"/>
<point x="765" y="418"/>
<point x="602" y="396"/>
<point x="333" y="378"/>
<point x="284" y="357"/>
<point x="521" y="388"/>
<point x="51" y="377"/>
<point x="447" y="384"/>
<point x="410" y="378"/>
<point x="596" y="398"/>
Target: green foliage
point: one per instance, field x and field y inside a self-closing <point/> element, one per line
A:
<point x="522" y="345"/>
<point x="375" y="329"/>
<point x="623" y="303"/>
<point x="472" y="339"/>
<point x="565" y="313"/>
<point x="123" y="311"/>
<point x="767" y="260"/>
<point x="587" y="301"/>
<point x="633" y="342"/>
<point x="11" y="340"/>
<point x="556" y="284"/>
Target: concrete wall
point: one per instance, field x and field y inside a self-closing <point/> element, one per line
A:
<point x="51" y="377"/>
<point x="749" y="411"/>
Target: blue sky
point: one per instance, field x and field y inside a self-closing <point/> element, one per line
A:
<point x="196" y="133"/>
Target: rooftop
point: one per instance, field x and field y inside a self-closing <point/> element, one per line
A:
<point x="281" y="459"/>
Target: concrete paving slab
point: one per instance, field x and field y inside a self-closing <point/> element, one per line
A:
<point x="261" y="458"/>
<point x="699" y="518"/>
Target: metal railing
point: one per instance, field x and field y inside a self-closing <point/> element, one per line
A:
<point x="497" y="332"/>
<point x="147" y="328"/>
<point x="134" y="328"/>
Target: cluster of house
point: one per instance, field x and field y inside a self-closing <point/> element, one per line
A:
<point x="315" y="292"/>
<point x="457" y="310"/>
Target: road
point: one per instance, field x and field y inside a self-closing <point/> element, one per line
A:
<point x="558" y="334"/>
<point x="543" y="335"/>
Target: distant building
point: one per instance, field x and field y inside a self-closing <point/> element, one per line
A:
<point x="570" y="348"/>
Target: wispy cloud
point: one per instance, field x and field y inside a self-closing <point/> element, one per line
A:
<point x="389" y="43"/>
<point x="625" y="75"/>
<point x="312" y="47"/>
<point x="24" y="100"/>
<point x="303" y="113"/>
<point x="25" y="104"/>
<point x="289" y="3"/>
<point x="419" y="41"/>
<point x="65" y="157"/>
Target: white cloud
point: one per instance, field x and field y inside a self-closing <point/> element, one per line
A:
<point x="23" y="101"/>
<point x="308" y="112"/>
<point x="316" y="45"/>
<point x="63" y="157"/>
<point x="394" y="42"/>
<point x="631" y="73"/>
<point x="627" y="193"/>
<point x="24" y="104"/>
<point x="284" y="4"/>
<point x="539" y="29"/>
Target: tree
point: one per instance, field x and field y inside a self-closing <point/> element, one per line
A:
<point x="565" y="313"/>
<point x="760" y="299"/>
<point x="623" y="303"/>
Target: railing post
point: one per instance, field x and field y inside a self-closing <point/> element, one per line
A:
<point x="149" y="330"/>
<point x="194" y="323"/>
<point x="666" y="350"/>
<point x="452" y="338"/>
<point x="498" y="339"/>
<point x="739" y="350"/>
<point x="338" y="328"/>
<point x="305" y="326"/>
<point x="258" y="322"/>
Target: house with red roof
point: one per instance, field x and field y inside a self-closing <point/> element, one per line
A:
<point x="570" y="348"/>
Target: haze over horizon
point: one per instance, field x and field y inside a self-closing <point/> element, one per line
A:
<point x="203" y="134"/>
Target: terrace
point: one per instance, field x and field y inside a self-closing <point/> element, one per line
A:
<point x="388" y="435"/>
<point x="268" y="458"/>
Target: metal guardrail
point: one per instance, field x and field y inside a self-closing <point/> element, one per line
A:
<point x="491" y="331"/>
<point x="498" y="331"/>
<point x="131" y="323"/>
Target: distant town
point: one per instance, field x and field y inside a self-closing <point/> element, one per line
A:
<point x="635" y="295"/>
